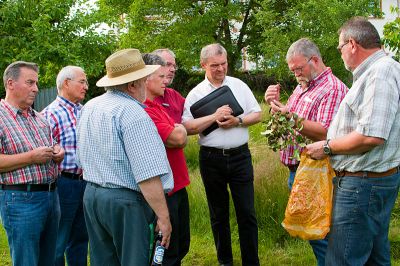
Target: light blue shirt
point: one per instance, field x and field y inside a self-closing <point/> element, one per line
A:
<point x="118" y="144"/>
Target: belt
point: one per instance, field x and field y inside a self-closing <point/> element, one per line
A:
<point x="72" y="175"/>
<point x="226" y="152"/>
<point x="367" y="173"/>
<point x="29" y="187"/>
<point x="293" y="168"/>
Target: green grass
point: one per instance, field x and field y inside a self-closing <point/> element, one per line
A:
<point x="276" y="247"/>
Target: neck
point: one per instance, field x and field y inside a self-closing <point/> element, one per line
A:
<point x="15" y="104"/>
<point x="363" y="54"/>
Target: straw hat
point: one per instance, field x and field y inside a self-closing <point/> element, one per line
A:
<point x="125" y="66"/>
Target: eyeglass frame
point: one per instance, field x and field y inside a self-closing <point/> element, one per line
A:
<point x="300" y="69"/>
<point x="340" y="47"/>
<point x="82" y="81"/>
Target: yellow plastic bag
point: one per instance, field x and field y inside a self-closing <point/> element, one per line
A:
<point x="308" y="212"/>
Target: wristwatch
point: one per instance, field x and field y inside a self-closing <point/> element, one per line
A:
<point x="326" y="148"/>
<point x="240" y="122"/>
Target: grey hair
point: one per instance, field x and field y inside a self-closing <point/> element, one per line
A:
<point x="303" y="46"/>
<point x="153" y="59"/>
<point x="160" y="51"/>
<point x="65" y="73"/>
<point x="362" y="31"/>
<point x="211" y="50"/>
<point x="14" y="70"/>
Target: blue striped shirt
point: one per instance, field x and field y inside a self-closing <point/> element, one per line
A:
<point x="62" y="116"/>
<point x="118" y="144"/>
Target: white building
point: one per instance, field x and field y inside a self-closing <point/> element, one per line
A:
<point x="387" y="15"/>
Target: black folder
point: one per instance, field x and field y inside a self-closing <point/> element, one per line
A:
<point x="210" y="103"/>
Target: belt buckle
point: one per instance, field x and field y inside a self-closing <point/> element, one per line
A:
<point x="340" y="173"/>
<point x="225" y="154"/>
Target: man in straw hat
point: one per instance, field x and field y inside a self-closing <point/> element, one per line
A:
<point x="125" y="166"/>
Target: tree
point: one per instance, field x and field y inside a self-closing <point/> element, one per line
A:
<point x="52" y="34"/>
<point x="285" y="21"/>
<point x="184" y="26"/>
<point x="391" y="33"/>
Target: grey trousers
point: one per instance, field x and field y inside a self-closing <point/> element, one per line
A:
<point x="117" y="221"/>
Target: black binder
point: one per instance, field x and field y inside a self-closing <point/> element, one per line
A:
<point x="210" y="103"/>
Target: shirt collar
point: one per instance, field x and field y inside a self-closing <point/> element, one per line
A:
<point x="16" y="111"/>
<point x="212" y="86"/>
<point x="67" y="103"/>
<point x="367" y="63"/>
<point x="317" y="80"/>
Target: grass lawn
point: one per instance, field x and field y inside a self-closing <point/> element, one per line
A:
<point x="276" y="247"/>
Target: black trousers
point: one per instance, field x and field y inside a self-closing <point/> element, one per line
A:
<point x="219" y="170"/>
<point x="178" y="206"/>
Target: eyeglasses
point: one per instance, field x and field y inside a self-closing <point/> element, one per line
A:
<point x="170" y="65"/>
<point x="82" y="81"/>
<point x="299" y="70"/>
<point x="216" y="66"/>
<point x="340" y="47"/>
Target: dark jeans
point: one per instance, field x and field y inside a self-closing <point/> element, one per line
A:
<point x="178" y="206"/>
<point x="72" y="236"/>
<point x="117" y="221"/>
<point x="360" y="220"/>
<point x="31" y="223"/>
<point x="219" y="171"/>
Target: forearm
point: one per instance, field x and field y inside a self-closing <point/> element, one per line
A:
<point x="313" y="130"/>
<point x="13" y="162"/>
<point x="177" y="138"/>
<point x="153" y="193"/>
<point x="251" y="119"/>
<point x="354" y="143"/>
<point x="197" y="125"/>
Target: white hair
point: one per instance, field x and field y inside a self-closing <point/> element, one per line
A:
<point x="65" y="73"/>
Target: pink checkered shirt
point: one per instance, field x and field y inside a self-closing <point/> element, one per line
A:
<point x="319" y="103"/>
<point x="19" y="134"/>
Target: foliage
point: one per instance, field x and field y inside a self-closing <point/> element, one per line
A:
<point x="282" y="132"/>
<point x="285" y="21"/>
<point x="52" y="34"/>
<point x="391" y="32"/>
<point x="185" y="26"/>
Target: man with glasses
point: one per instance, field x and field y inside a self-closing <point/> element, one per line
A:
<point x="29" y="206"/>
<point x="225" y="158"/>
<point x="172" y="100"/>
<point x="316" y="99"/>
<point x="363" y="143"/>
<point x="62" y="115"/>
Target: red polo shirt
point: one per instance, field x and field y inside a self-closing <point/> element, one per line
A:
<point x="165" y="125"/>
<point x="173" y="103"/>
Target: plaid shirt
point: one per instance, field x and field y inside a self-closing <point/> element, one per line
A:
<point x="62" y="116"/>
<point x="319" y="103"/>
<point x="371" y="108"/>
<point x="19" y="134"/>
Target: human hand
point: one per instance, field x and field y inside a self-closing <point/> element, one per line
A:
<point x="41" y="155"/>
<point x="228" y="121"/>
<point x="164" y="225"/>
<point x="277" y="106"/>
<point x="315" y="150"/>
<point x="221" y="112"/>
<point x="58" y="153"/>
<point x="272" y="93"/>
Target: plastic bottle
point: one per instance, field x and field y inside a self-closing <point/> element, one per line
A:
<point x="158" y="251"/>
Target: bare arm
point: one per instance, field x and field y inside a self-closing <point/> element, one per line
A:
<point x="177" y="138"/>
<point x="154" y="194"/>
<point x="197" y="125"/>
<point x="16" y="161"/>
<point x="353" y="143"/>
<point x="313" y="130"/>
